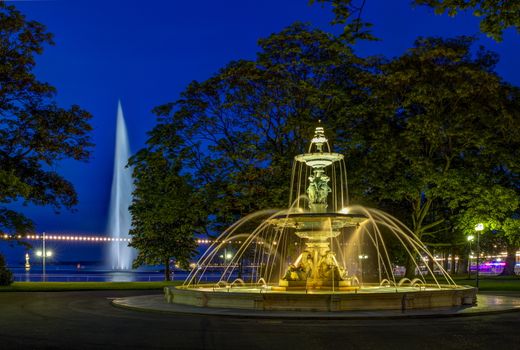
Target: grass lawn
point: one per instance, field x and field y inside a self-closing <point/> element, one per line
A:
<point x="492" y="283"/>
<point x="69" y="286"/>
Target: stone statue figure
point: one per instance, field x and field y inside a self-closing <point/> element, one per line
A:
<point x="306" y="264"/>
<point x="294" y="273"/>
<point x="318" y="189"/>
<point x="323" y="189"/>
<point x="312" y="190"/>
<point x="302" y="271"/>
<point x="329" y="270"/>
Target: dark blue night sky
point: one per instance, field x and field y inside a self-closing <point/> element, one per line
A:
<point x="146" y="52"/>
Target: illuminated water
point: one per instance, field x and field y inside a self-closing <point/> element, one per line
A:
<point x="96" y="273"/>
<point x="119" y="220"/>
<point x="320" y="242"/>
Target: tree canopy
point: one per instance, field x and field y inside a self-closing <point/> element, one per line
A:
<point x="426" y="134"/>
<point x="441" y="129"/>
<point x="438" y="114"/>
<point x="35" y="133"/>
<point x="242" y="127"/>
<point x="165" y="214"/>
<point x="497" y="16"/>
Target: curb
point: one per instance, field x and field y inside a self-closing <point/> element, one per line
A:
<point x="296" y="315"/>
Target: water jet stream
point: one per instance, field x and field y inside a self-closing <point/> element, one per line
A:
<point x="120" y="255"/>
<point x="320" y="245"/>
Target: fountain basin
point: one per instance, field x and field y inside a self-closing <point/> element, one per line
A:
<point x="319" y="159"/>
<point x="316" y="226"/>
<point x="253" y="297"/>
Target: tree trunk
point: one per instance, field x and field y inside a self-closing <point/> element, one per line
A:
<point x="462" y="267"/>
<point x="509" y="268"/>
<point x="431" y="262"/>
<point x="240" y="268"/>
<point x="419" y="213"/>
<point x="167" y="276"/>
<point x="444" y="257"/>
<point x="410" y="267"/>
<point x="452" y="266"/>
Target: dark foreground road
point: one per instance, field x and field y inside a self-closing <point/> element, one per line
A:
<point x="86" y="320"/>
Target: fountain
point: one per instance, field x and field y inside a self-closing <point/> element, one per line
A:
<point x="320" y="254"/>
<point x="119" y="220"/>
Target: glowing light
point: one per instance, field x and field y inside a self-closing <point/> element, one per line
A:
<point x="479" y="227"/>
<point x="48" y="253"/>
<point x="470" y="238"/>
<point x="345" y="210"/>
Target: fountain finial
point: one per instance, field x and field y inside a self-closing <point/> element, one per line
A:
<point x="319" y="138"/>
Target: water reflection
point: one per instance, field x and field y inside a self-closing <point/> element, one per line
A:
<point x="68" y="274"/>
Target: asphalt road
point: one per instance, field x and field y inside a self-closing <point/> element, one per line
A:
<point x="86" y="320"/>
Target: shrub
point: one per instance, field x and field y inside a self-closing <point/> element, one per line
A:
<point x="6" y="276"/>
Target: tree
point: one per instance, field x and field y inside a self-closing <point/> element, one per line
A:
<point x="349" y="14"/>
<point x="511" y="231"/>
<point x="497" y="208"/>
<point x="438" y="115"/>
<point x="243" y="126"/>
<point x="415" y="129"/>
<point x="6" y="276"/>
<point x="164" y="211"/>
<point x="35" y="133"/>
<point x="497" y="16"/>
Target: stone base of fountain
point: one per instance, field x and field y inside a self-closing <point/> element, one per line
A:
<point x="343" y="285"/>
<point x="252" y="297"/>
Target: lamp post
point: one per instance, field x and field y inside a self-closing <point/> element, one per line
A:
<point x="226" y="256"/>
<point x="43" y="254"/>
<point x="479" y="227"/>
<point x="470" y="239"/>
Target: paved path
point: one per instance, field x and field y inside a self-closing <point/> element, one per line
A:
<point x="86" y="320"/>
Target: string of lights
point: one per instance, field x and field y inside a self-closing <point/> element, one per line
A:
<point x="58" y="237"/>
<point x="102" y="239"/>
<point x="209" y="241"/>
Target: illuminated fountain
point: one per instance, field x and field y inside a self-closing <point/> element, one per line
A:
<point x="119" y="220"/>
<point x="320" y="254"/>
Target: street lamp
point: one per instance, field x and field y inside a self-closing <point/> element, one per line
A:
<point x="470" y="239"/>
<point x="47" y="254"/>
<point x="479" y="227"/>
<point x="43" y="254"/>
<point x="226" y="256"/>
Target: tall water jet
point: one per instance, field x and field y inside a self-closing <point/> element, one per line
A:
<point x="120" y="254"/>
